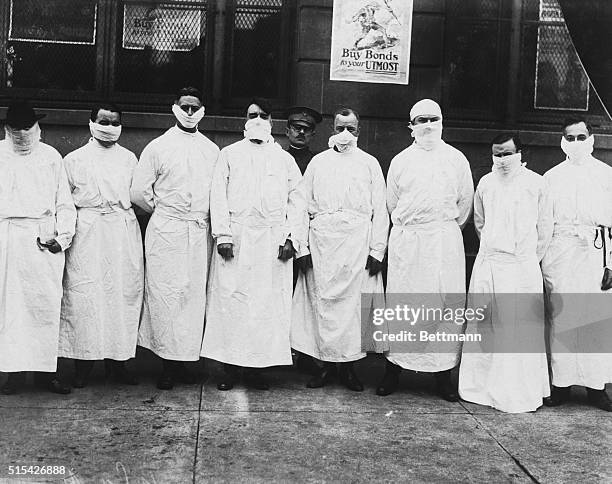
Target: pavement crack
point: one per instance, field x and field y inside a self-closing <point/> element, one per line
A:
<point x="197" y="442"/>
<point x="502" y="447"/>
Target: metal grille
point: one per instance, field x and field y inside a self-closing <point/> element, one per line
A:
<point x="256" y="48"/>
<point x="473" y="9"/>
<point x="160" y="46"/>
<point x="52" y="45"/>
<point x="560" y="80"/>
<point x="553" y="80"/>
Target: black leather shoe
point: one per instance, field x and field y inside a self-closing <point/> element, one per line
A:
<point x="121" y="374"/>
<point x="51" y="382"/>
<point x="12" y="384"/>
<point x="225" y="385"/>
<point x="55" y="385"/>
<point x="255" y="379"/>
<point x="349" y="379"/>
<point x="599" y="399"/>
<point x="324" y="376"/>
<point x="183" y="375"/>
<point x="445" y="387"/>
<point x="81" y="375"/>
<point x="230" y="377"/>
<point x="9" y="388"/>
<point x="558" y="396"/>
<point x="227" y="382"/>
<point x="79" y="381"/>
<point x="165" y="381"/>
<point x="390" y="380"/>
<point x="306" y="364"/>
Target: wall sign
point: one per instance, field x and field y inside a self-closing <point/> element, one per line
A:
<point x="163" y="27"/>
<point x="371" y="41"/>
<point x="53" y="21"/>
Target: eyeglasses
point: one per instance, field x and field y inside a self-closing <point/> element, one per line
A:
<point x="188" y="107"/>
<point x="299" y="128"/>
<point x="425" y="119"/>
<point x="260" y="114"/>
<point x="350" y="129"/>
<point x="571" y="137"/>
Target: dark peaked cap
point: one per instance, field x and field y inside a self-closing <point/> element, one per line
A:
<point x="304" y="114"/>
<point x="21" y="115"/>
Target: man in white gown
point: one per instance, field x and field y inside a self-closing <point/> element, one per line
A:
<point x="103" y="280"/>
<point x="37" y="219"/>
<point x="577" y="283"/>
<point x="251" y="205"/>
<point x="429" y="196"/>
<point x="173" y="180"/>
<point x="513" y="218"/>
<point x="341" y="246"/>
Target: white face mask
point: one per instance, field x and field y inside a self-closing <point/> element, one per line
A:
<point x="577" y="150"/>
<point x="101" y="132"/>
<point x="185" y="119"/>
<point x="343" y="141"/>
<point x="23" y="140"/>
<point x="507" y="165"/>
<point x="427" y="135"/>
<point x="258" y="129"/>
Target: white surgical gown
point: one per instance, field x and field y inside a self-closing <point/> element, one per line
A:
<point x="582" y="199"/>
<point x="513" y="218"/>
<point x="35" y="201"/>
<point x="103" y="280"/>
<point x="429" y="197"/>
<point x="346" y="220"/>
<point x="249" y="306"/>
<point x="173" y="179"/>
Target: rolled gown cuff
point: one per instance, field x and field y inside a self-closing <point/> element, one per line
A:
<point x="284" y="237"/>
<point x="224" y="239"/>
<point x="379" y="255"/>
<point x="302" y="251"/>
<point x="64" y="241"/>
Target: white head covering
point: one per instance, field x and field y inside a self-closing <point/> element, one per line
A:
<point x="425" y="107"/>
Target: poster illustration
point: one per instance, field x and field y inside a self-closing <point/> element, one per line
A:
<point x="371" y="41"/>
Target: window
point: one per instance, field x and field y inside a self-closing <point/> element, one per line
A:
<point x="51" y="46"/>
<point x="476" y="48"/>
<point x="257" y="50"/>
<point x="553" y="83"/>
<point x="513" y="63"/>
<point x="560" y="82"/>
<point x="138" y="52"/>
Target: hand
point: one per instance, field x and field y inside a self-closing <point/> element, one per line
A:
<point x="373" y="265"/>
<point x="286" y="252"/>
<point x="606" y="280"/>
<point x="304" y="263"/>
<point x="226" y="251"/>
<point x="51" y="245"/>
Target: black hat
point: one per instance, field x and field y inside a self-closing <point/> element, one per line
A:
<point x="21" y="115"/>
<point x="304" y="115"/>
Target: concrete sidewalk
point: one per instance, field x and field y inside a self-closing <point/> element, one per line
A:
<point x="111" y="433"/>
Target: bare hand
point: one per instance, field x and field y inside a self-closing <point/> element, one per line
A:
<point x="226" y="251"/>
<point x="51" y="245"/>
<point x="286" y="252"/>
<point x="606" y="280"/>
<point x="373" y="265"/>
<point x="304" y="263"/>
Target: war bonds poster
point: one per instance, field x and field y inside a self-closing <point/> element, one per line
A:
<point x="371" y="41"/>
